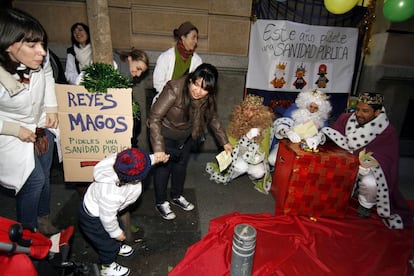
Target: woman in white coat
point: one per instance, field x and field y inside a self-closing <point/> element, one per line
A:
<point x="28" y="108"/>
<point x="178" y="60"/>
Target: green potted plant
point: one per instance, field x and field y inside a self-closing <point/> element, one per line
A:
<point x="98" y="77"/>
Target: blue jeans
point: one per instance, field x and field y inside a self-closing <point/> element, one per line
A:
<point x="33" y="199"/>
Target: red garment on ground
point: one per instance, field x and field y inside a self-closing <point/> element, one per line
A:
<point x="298" y="245"/>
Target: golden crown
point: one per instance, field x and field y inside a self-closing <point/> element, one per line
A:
<point x="253" y="99"/>
<point x="281" y="66"/>
<point x="319" y="94"/>
<point x="301" y="68"/>
<point x="371" y="98"/>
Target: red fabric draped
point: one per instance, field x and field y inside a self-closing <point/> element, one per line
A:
<point x="298" y="245"/>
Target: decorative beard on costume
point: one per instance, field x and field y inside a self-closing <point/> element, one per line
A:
<point x="301" y="116"/>
<point x="303" y="102"/>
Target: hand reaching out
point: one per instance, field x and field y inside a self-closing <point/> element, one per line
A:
<point x="228" y="148"/>
<point x="161" y="157"/>
<point x="366" y="160"/>
<point x="313" y="142"/>
<point x="293" y="136"/>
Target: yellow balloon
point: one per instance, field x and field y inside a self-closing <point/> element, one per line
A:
<point x="339" y="6"/>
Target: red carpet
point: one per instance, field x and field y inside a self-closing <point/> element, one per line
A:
<point x="289" y="245"/>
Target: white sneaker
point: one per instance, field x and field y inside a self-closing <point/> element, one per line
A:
<point x="165" y="210"/>
<point x="125" y="250"/>
<point x="114" y="269"/>
<point x="183" y="203"/>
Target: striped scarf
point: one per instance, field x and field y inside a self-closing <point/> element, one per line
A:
<point x="22" y="73"/>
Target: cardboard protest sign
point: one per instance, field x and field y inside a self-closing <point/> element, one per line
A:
<point x="92" y="126"/>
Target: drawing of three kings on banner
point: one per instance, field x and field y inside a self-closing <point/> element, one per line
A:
<point x="299" y="79"/>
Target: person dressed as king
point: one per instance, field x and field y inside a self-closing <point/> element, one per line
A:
<point x="249" y="133"/>
<point x="368" y="134"/>
<point x="302" y="122"/>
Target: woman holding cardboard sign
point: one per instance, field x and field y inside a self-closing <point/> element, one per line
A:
<point x="134" y="64"/>
<point x="28" y="108"/>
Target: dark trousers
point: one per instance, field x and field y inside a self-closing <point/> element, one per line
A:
<point x="106" y="247"/>
<point x="176" y="167"/>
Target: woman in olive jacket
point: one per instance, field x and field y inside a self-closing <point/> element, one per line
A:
<point x="176" y="121"/>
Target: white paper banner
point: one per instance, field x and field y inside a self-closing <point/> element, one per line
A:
<point x="288" y="56"/>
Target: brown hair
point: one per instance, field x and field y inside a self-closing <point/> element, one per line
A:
<point x="184" y="29"/>
<point x="136" y="55"/>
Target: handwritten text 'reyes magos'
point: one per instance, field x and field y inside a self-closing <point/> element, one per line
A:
<point x="87" y="122"/>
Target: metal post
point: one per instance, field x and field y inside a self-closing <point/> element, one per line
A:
<point x="244" y="242"/>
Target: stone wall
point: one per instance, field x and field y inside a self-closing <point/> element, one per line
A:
<point x="224" y="27"/>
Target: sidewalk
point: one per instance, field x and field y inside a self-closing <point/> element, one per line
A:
<point x="212" y="200"/>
